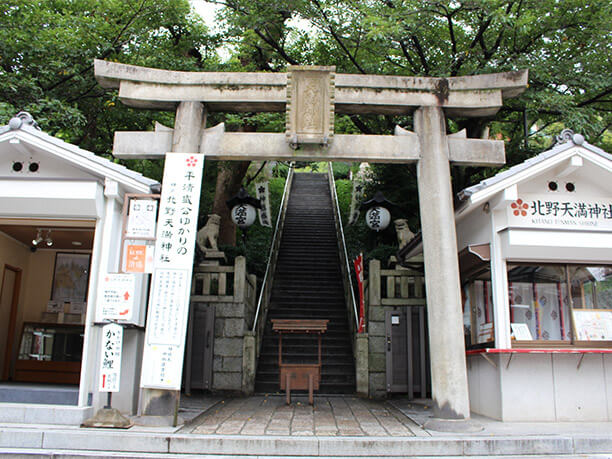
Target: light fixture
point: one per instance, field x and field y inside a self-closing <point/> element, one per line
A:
<point x="38" y="238"/>
<point x="377" y="216"/>
<point x="242" y="209"/>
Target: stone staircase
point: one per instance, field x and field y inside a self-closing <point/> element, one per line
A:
<point x="308" y="285"/>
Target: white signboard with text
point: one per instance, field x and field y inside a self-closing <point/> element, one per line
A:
<point x="560" y="211"/>
<point x="116" y="295"/>
<point x="170" y="289"/>
<point x="110" y="362"/>
<point x="141" y="218"/>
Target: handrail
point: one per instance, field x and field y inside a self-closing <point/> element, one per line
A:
<point x="344" y="253"/>
<point x="273" y="247"/>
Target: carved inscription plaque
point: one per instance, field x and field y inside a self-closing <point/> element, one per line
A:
<point x="310" y="105"/>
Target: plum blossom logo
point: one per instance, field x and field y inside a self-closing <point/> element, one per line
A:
<point x="519" y="207"/>
<point x="192" y="161"/>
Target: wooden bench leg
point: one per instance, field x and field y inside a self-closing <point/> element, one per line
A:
<point x="310" y="389"/>
<point x="288" y="388"/>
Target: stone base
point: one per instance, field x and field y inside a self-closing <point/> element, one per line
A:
<point x="158" y="421"/>
<point x="213" y="258"/>
<point x="453" y="425"/>
<point x="110" y="418"/>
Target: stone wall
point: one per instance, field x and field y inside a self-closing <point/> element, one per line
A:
<point x="376" y="351"/>
<point x="230" y="326"/>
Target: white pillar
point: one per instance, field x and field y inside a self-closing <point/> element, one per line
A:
<point x="446" y="342"/>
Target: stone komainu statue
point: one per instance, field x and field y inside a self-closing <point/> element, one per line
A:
<point x="209" y="234"/>
<point x="404" y="235"/>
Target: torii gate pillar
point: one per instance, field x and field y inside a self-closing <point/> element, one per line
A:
<point x="446" y="346"/>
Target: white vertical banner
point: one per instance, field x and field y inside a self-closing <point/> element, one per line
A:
<point x="264" y="198"/>
<point x="110" y="362"/>
<point x="170" y="288"/>
<point x="356" y="198"/>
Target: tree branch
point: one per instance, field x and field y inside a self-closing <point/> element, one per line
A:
<point x="337" y="38"/>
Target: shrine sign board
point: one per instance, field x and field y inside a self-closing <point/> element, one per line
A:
<point x="110" y="363"/>
<point x="171" y="285"/>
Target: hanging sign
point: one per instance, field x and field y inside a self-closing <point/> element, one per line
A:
<point x="358" y="263"/>
<point x="116" y="297"/>
<point x="171" y="285"/>
<point x="141" y="218"/>
<point x="560" y="212"/>
<point x="263" y="195"/>
<point x="110" y="362"/>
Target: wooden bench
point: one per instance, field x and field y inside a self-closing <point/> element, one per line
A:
<point x="299" y="376"/>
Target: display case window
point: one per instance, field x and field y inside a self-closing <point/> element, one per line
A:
<point x="566" y="303"/>
<point x="478" y="308"/>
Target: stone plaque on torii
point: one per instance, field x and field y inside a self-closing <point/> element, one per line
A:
<point x="310" y="96"/>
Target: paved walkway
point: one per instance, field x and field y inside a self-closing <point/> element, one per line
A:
<point x="330" y="416"/>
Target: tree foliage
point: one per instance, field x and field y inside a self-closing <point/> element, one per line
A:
<point x="565" y="44"/>
<point x="46" y="62"/>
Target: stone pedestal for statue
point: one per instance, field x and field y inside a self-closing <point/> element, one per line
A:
<point x="213" y="258"/>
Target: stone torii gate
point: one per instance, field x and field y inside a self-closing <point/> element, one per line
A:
<point x="310" y="96"/>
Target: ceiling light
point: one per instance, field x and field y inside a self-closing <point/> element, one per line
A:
<point x="48" y="239"/>
<point x="38" y="238"/>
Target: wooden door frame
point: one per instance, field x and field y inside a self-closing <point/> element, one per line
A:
<point x="10" y="336"/>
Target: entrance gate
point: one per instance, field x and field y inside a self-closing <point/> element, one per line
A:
<point x="406" y="351"/>
<point x="311" y="96"/>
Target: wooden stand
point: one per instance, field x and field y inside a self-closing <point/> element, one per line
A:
<point x="299" y="376"/>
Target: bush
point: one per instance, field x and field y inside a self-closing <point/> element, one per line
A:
<point x="341" y="171"/>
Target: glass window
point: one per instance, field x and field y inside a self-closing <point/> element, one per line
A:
<point x="478" y="309"/>
<point x="539" y="304"/>
<point x="560" y="302"/>
<point x="591" y="287"/>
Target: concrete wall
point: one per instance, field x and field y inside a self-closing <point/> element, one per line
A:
<point x="484" y="386"/>
<point x="542" y="387"/>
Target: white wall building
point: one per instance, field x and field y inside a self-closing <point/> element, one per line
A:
<point x="60" y="233"/>
<point x="535" y="247"/>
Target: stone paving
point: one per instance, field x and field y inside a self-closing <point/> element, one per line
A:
<point x="330" y="416"/>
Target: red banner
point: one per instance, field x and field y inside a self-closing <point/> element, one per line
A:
<point x="358" y="263"/>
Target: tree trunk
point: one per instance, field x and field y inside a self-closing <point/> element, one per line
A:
<point x="229" y="179"/>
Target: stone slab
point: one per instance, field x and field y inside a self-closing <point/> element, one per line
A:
<point x="531" y="446"/>
<point x="104" y="440"/>
<point x="239" y="445"/>
<point x="381" y="446"/>
<point x="22" y="438"/>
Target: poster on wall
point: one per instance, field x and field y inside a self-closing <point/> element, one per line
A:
<point x="138" y="257"/>
<point x="141" y="218"/>
<point x="170" y="288"/>
<point x="70" y="277"/>
<point x="593" y="324"/>
<point x="116" y="297"/>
